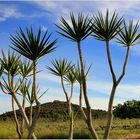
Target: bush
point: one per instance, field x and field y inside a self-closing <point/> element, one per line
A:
<point x="129" y="109"/>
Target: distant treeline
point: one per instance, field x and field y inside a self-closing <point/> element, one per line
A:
<point x="55" y="111"/>
<point x="129" y="109"/>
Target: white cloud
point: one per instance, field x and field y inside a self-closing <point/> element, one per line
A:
<point x="13" y="11"/>
<point x="88" y="7"/>
<point x="127" y="91"/>
<point x="8" y="12"/>
<point x="124" y="91"/>
<point x="48" y="77"/>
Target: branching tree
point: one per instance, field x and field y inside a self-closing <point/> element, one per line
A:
<point x="11" y="86"/>
<point x="63" y="69"/>
<point x="33" y="47"/>
<point x="28" y="90"/>
<point x="70" y="78"/>
<point x="105" y="29"/>
<point x="78" y="32"/>
<point x="26" y="70"/>
<point x="78" y="76"/>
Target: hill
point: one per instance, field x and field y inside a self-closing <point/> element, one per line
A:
<point x="56" y="110"/>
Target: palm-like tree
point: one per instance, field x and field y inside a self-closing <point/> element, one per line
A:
<point x="105" y="29"/>
<point x="79" y="31"/>
<point x="33" y="47"/>
<point x="63" y="69"/>
<point x="70" y="78"/>
<point x="25" y="70"/>
<point x="11" y="69"/>
<point x="78" y="76"/>
<point x="27" y="90"/>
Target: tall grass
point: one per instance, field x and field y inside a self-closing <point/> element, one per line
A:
<point x="59" y="130"/>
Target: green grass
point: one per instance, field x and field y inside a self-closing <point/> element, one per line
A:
<point x="59" y="130"/>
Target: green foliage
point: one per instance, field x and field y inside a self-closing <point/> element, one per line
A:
<point x="129" y="35"/>
<point x="1" y="69"/>
<point x="60" y="67"/>
<point x="77" y="72"/>
<point x="32" y="46"/>
<point x="79" y="30"/>
<point x="10" y="63"/>
<point x="26" y="68"/>
<point x="57" y="110"/>
<point x="70" y="77"/>
<point x="27" y="91"/>
<point x="130" y="109"/>
<point x="105" y="28"/>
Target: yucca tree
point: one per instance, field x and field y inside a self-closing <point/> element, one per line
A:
<point x="63" y="69"/>
<point x="25" y="70"/>
<point x="105" y="29"/>
<point x="70" y="79"/>
<point x="33" y="47"/>
<point x="11" y="69"/>
<point x="77" y="74"/>
<point x="9" y="86"/>
<point x="78" y="32"/>
<point x="27" y="90"/>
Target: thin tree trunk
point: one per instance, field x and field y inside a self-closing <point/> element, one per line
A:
<point x="11" y="84"/>
<point x="23" y="114"/>
<point x="110" y="62"/>
<point x="16" y="120"/>
<point x="38" y="107"/>
<point x="68" y="100"/>
<point x="114" y="87"/>
<point x="71" y="128"/>
<point x="66" y="94"/>
<point x="80" y="103"/>
<point x="110" y="112"/>
<point x="30" y="115"/>
<point x="23" y="121"/>
<point x="71" y="115"/>
<point x="89" y="115"/>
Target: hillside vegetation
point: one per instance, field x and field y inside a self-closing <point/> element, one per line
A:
<point x="56" y="110"/>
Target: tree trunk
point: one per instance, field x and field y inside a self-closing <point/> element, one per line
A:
<point x="70" y="114"/>
<point x="23" y="114"/>
<point x="66" y="95"/>
<point x="16" y="120"/>
<point x="68" y="100"/>
<point x="31" y="115"/>
<point x="115" y="84"/>
<point x="89" y="115"/>
<point x="110" y="112"/>
<point x="80" y="103"/>
<point x="23" y="122"/>
<point x="71" y="127"/>
<point x="38" y="107"/>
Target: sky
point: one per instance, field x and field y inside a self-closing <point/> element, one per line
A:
<point x="46" y="14"/>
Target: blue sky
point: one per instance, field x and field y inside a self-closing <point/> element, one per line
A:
<point x="44" y="14"/>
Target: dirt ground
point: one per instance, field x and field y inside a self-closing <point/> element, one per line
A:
<point x="132" y="136"/>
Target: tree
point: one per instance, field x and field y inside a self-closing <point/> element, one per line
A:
<point x="129" y="109"/>
<point x="78" y="32"/>
<point x="105" y="29"/>
<point x="63" y="69"/>
<point x="11" y="68"/>
<point x="26" y="70"/>
<point x="78" y="76"/>
<point x="70" y="78"/>
<point x="33" y="47"/>
<point x="27" y="90"/>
